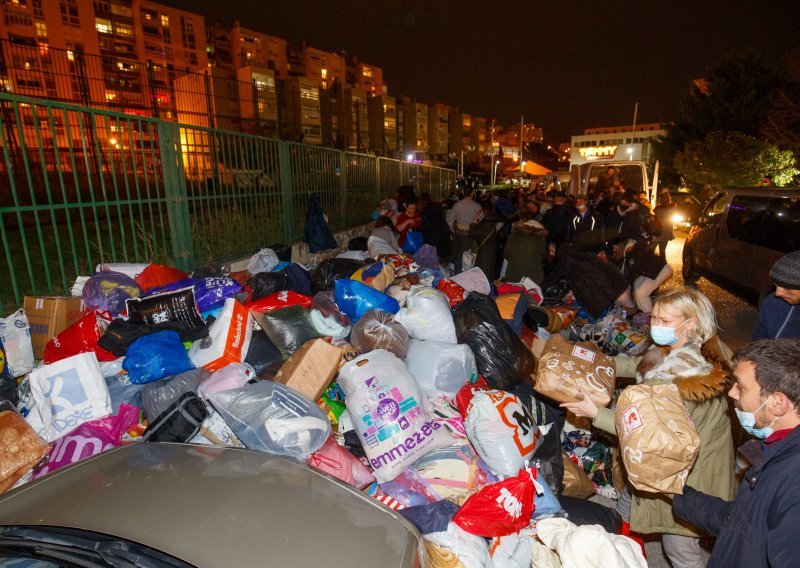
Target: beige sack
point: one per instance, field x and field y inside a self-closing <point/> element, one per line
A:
<point x="658" y="440"/>
<point x="576" y="482"/>
<point x="565" y="368"/>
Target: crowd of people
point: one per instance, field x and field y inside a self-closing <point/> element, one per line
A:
<point x="605" y="245"/>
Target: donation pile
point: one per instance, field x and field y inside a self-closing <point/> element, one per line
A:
<point x="392" y="377"/>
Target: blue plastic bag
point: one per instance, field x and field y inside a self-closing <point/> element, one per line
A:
<point x="413" y="242"/>
<point x="156" y="356"/>
<point x="355" y="299"/>
<point x="209" y="293"/>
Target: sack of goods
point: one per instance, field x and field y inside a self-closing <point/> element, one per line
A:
<point x="657" y="438"/>
<point x="386" y="406"/>
<point x="565" y="369"/>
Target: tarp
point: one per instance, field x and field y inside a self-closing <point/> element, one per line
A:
<point x="534" y="169"/>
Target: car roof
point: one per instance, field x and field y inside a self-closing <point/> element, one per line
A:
<point x="213" y="506"/>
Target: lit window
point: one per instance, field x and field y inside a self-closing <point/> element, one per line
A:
<point x="41" y="29"/>
<point x="165" y="20"/>
<point x="70" y="55"/>
<point x="102" y="26"/>
<point x="324" y="73"/>
<point x="111" y="95"/>
<point x="367" y="72"/>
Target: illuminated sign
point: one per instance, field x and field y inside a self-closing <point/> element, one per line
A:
<point x="597" y="152"/>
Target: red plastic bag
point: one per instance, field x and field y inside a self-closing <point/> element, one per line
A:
<point x="278" y="301"/>
<point x="454" y="292"/>
<point x="464" y="396"/>
<point x="80" y="337"/>
<point x="501" y="508"/>
<point x="336" y="460"/>
<point x="157" y="275"/>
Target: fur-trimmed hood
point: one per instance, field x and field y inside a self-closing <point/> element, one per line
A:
<point x="700" y="374"/>
<point x="523" y="227"/>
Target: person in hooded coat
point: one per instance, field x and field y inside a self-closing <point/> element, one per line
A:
<point x="435" y="230"/>
<point x="526" y="250"/>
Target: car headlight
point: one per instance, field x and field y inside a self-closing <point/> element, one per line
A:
<point x="677" y="219"/>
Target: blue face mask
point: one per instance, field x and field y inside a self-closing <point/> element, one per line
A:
<point x="663" y="335"/>
<point x="748" y="422"/>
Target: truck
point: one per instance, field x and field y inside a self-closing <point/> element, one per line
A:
<point x="632" y="173"/>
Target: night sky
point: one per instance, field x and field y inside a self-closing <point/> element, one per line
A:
<point x="565" y="65"/>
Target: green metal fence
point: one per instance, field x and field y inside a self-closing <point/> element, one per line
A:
<point x="81" y="187"/>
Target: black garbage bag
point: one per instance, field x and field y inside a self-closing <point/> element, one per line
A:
<point x="208" y="271"/>
<point x="283" y="251"/>
<point x="120" y="333"/>
<point x="299" y="279"/>
<point x="288" y="328"/>
<point x="263" y="356"/>
<point x="502" y="358"/>
<point x="358" y="243"/>
<point x="330" y="270"/>
<point x="265" y="283"/>
<point x="317" y="233"/>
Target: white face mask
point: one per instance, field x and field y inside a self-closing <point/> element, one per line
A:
<point x="748" y="422"/>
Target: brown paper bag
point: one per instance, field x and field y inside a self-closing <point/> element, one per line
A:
<point x="311" y="368"/>
<point x="576" y="482"/>
<point x="565" y="368"/>
<point x="21" y="449"/>
<point x="657" y="438"/>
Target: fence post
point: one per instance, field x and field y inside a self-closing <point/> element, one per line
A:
<point x="378" y="190"/>
<point x="180" y="228"/>
<point x="287" y="200"/>
<point x="343" y="161"/>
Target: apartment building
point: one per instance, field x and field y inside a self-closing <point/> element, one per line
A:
<point x="302" y="119"/>
<point x="256" y="49"/>
<point x="383" y="125"/>
<point x="368" y="78"/>
<point x="438" y="127"/>
<point x="479" y="137"/>
<point x="322" y="66"/>
<point x="415" y="125"/>
<point x="354" y="119"/>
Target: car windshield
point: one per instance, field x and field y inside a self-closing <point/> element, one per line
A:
<point x="43" y="547"/>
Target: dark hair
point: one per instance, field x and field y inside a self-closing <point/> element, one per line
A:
<point x="384" y="221"/>
<point x="777" y="363"/>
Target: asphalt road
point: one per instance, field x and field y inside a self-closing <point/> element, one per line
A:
<point x="737" y="317"/>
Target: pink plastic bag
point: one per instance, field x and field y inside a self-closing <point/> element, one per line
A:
<point x="229" y="377"/>
<point x="90" y="439"/>
<point x="335" y="460"/>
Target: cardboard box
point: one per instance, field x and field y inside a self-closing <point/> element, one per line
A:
<point x="49" y="316"/>
<point x="311" y="368"/>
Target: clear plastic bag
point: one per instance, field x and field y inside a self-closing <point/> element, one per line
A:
<point x="272" y="418"/>
<point x="158" y="396"/>
<point x="379" y="330"/>
<point x="440" y="367"/>
<point x="108" y="291"/>
<point x="427" y="315"/>
<point x="15" y="343"/>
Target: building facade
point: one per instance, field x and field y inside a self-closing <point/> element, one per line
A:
<point x="615" y="143"/>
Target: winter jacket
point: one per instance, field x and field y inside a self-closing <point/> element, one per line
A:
<point x="525" y="252"/>
<point x="759" y="528"/>
<point x="435" y="230"/>
<point x="777" y="319"/>
<point x="703" y="378"/>
<point x="580" y="224"/>
<point x="556" y="221"/>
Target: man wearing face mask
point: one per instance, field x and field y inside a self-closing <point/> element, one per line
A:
<point x="759" y="527"/>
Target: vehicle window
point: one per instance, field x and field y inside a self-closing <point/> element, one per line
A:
<point x="715" y="207"/>
<point x="781" y="228"/>
<point x="745" y="217"/>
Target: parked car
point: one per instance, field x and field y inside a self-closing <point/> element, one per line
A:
<point x="688" y="209"/>
<point x="157" y="505"/>
<point x="741" y="233"/>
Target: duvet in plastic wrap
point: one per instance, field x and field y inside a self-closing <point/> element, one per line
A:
<point x="501" y="356"/>
<point x="501" y="430"/>
<point x="440" y="368"/>
<point x="427" y="315"/>
<point x="229" y="377"/>
<point x="379" y="330"/>
<point x="270" y="417"/>
<point x="386" y="407"/>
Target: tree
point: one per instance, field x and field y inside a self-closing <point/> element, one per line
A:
<point x="782" y="125"/>
<point x="736" y="95"/>
<point x="734" y="159"/>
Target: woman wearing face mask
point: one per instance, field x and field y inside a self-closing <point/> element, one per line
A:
<point x="688" y="353"/>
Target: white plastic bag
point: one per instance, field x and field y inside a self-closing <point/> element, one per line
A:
<point x="427" y="315"/>
<point x="513" y="550"/>
<point x="263" y="261"/>
<point x="472" y="280"/>
<point x="68" y="393"/>
<point x="273" y="418"/>
<point x="228" y="338"/>
<point x="386" y="407"/>
<point x="455" y="547"/>
<point x="501" y="430"/>
<point x="15" y="344"/>
<point x="440" y="367"/>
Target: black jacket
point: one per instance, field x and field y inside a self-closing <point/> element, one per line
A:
<point x="759" y="528"/>
<point x="585" y="223"/>
<point x="557" y="220"/>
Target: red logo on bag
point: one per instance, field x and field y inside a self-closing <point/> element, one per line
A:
<point x="518" y="420"/>
<point x="631" y="420"/>
<point x="583" y="353"/>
